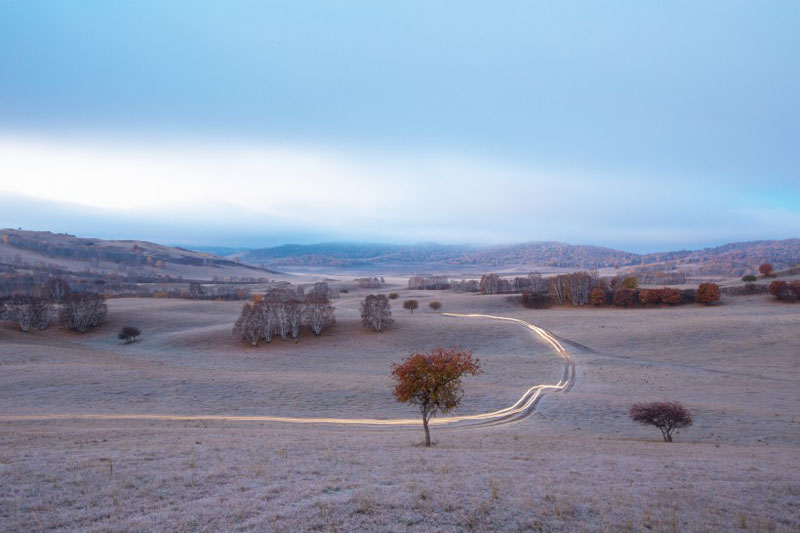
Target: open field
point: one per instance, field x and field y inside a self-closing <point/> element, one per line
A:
<point x="577" y="464"/>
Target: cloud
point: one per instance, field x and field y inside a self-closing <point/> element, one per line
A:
<point x="203" y="191"/>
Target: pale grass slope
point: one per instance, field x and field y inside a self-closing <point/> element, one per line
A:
<point x="579" y="464"/>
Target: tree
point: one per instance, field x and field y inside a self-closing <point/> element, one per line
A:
<point x="707" y="293"/>
<point x="249" y="326"/>
<point x="129" y="334"/>
<point x="630" y="282"/>
<point x="82" y="311"/>
<point x="195" y="291"/>
<point x="666" y="416"/>
<point x="765" y="269"/>
<point x="376" y="312"/>
<point x="435" y="305"/>
<point x="489" y="284"/>
<point x="776" y="286"/>
<point x="410" y="305"/>
<point x="579" y="287"/>
<point x="670" y="296"/>
<point x="393" y="296"/>
<point x="28" y="312"/>
<point x="57" y="289"/>
<point x="318" y="309"/>
<point x="432" y="381"/>
<point x="624" y="297"/>
<point x="598" y="296"/>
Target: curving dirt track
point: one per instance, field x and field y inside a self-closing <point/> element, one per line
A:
<point x="521" y="409"/>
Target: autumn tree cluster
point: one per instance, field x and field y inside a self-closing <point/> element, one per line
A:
<point x="785" y="291"/>
<point x="283" y="312"/>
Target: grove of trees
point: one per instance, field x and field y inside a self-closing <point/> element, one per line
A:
<point x="283" y="311"/>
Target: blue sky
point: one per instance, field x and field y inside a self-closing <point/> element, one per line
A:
<point x="638" y="125"/>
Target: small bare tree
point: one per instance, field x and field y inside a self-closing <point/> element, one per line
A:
<point x="410" y="305"/>
<point x="376" y="312"/>
<point x="435" y="305"/>
<point x="666" y="416"/>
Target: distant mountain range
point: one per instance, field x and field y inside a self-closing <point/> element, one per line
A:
<point x="20" y="247"/>
<point x="728" y="259"/>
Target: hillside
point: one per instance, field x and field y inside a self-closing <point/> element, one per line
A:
<point x="60" y="252"/>
<point x="727" y="260"/>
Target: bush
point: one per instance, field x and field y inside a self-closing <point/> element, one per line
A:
<point x="749" y="278"/>
<point x="765" y="269"/>
<point x="707" y="293"/>
<point x="435" y="305"/>
<point x="393" y="296"/>
<point x="630" y="283"/>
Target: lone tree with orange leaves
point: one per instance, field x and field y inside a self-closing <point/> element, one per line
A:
<point x="765" y="269"/>
<point x="432" y="381"/>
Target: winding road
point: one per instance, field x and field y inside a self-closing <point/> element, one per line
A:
<point x="522" y="408"/>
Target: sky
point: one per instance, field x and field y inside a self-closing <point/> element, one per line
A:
<point x="637" y="125"/>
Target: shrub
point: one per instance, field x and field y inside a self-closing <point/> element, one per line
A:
<point x="666" y="416"/>
<point x="598" y="296"/>
<point x="435" y="305"/>
<point x="129" y="334"/>
<point x="432" y="381"/>
<point x="624" y="297"/>
<point x="393" y="296"/>
<point x="707" y="293"/>
<point x="630" y="283"/>
<point x="410" y="305"/>
<point x="765" y="269"/>
<point x="748" y="278"/>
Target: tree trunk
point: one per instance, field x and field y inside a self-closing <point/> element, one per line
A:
<point x="427" y="431"/>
